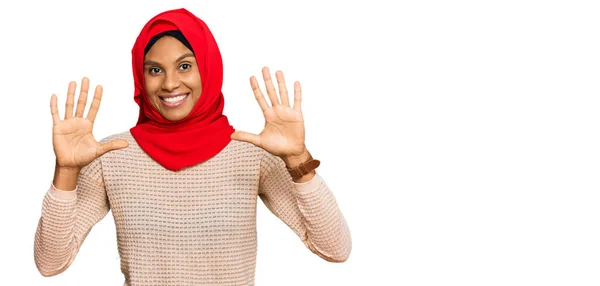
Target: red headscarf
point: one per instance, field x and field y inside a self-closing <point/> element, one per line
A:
<point x="205" y="131"/>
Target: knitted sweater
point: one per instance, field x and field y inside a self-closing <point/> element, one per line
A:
<point x="196" y="226"/>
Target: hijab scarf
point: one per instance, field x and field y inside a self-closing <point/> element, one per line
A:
<point x="205" y="131"/>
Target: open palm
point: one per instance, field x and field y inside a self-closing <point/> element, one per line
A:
<point x="74" y="143"/>
<point x="283" y="134"/>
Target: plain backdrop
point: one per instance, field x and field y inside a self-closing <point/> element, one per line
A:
<point x="460" y="138"/>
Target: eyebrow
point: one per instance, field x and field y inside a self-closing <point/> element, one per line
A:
<point x="153" y="63"/>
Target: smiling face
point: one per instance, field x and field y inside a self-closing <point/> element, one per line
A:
<point x="172" y="78"/>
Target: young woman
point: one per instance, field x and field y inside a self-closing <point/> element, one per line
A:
<point x="182" y="184"/>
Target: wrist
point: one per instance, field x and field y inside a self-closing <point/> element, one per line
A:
<point x="67" y="171"/>
<point x="301" y="167"/>
<point x="65" y="178"/>
<point x="292" y="161"/>
<point x="305" y="178"/>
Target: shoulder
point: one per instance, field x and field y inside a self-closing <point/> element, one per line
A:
<point x="125" y="135"/>
<point x="131" y="152"/>
<point x="254" y="155"/>
<point x="241" y="148"/>
<point x="267" y="160"/>
<point x="94" y="168"/>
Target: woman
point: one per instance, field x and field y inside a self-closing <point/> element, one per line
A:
<point x="182" y="184"/>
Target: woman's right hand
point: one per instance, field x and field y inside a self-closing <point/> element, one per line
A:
<point x="74" y="143"/>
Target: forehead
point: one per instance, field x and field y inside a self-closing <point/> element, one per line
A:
<point x="167" y="47"/>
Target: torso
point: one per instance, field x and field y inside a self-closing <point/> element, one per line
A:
<point x="195" y="226"/>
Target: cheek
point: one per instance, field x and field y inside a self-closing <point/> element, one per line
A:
<point x="193" y="81"/>
<point x="151" y="87"/>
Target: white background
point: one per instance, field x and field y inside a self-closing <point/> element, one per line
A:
<point x="459" y="137"/>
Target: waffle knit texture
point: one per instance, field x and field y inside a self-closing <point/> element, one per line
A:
<point x="196" y="226"/>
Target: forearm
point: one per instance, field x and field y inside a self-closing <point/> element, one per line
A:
<point x="54" y="239"/>
<point x="307" y="206"/>
<point x="327" y="233"/>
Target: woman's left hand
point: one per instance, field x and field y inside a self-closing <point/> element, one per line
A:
<point x="283" y="134"/>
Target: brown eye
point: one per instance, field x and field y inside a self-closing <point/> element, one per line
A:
<point x="154" y="70"/>
<point x="185" y="66"/>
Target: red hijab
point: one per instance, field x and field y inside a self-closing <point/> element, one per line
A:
<point x="205" y="131"/>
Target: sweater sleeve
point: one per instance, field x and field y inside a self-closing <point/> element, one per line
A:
<point x="309" y="209"/>
<point x="67" y="218"/>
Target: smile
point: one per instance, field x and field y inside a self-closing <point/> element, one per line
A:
<point x="174" y="101"/>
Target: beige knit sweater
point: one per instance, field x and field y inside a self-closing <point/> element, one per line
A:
<point x="196" y="226"/>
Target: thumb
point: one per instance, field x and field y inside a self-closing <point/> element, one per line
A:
<point x="112" y="145"/>
<point x="246" y="137"/>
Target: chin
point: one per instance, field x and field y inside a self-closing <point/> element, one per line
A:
<point x="175" y="116"/>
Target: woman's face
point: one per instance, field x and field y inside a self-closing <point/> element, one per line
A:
<point x="172" y="78"/>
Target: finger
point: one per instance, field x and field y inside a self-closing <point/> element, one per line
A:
<point x="297" y="96"/>
<point x="270" y="87"/>
<point x="70" y="100"/>
<point x="258" y="94"/>
<point x="283" y="93"/>
<point x="112" y="145"/>
<point x="85" y="84"/>
<point x="54" y="110"/>
<point x="91" y="116"/>
<point x="246" y="137"/>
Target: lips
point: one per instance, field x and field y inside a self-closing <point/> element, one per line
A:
<point x="174" y="100"/>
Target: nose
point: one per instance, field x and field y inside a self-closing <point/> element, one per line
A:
<point x="170" y="82"/>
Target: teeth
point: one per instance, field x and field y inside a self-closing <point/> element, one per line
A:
<point x="175" y="99"/>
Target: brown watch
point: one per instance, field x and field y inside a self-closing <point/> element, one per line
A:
<point x="304" y="168"/>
